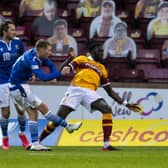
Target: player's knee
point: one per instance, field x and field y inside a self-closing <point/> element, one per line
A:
<point x="105" y="108"/>
<point x="64" y="111"/>
<point x="5" y="115"/>
<point x="5" y="112"/>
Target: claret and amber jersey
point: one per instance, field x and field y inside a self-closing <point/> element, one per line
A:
<point x="88" y="73"/>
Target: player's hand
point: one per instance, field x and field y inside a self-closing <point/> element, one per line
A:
<point x="33" y="78"/>
<point x="66" y="70"/>
<point x="137" y="108"/>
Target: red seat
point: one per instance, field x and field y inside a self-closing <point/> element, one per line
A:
<point x="99" y="40"/>
<point x="131" y="75"/>
<point x="58" y="60"/>
<point x="119" y="69"/>
<point x="158" y="75"/>
<point x="116" y="63"/>
<point x="21" y="33"/>
<point x="148" y="59"/>
<point x="127" y="75"/>
<point x="85" y="24"/>
<point x="157" y="41"/>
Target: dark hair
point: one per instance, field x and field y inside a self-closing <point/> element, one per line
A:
<point x="123" y="24"/>
<point x="42" y="44"/>
<point x="96" y="51"/>
<point x="163" y="5"/>
<point x="5" y="26"/>
<point x="109" y="3"/>
<point x="50" y="2"/>
<point x="61" y="22"/>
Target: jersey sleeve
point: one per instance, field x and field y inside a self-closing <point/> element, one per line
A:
<point x="50" y="65"/>
<point x="41" y="74"/>
<point x="46" y="76"/>
<point x="76" y="61"/>
<point x="105" y="79"/>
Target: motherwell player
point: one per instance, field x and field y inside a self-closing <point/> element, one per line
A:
<point x="90" y="73"/>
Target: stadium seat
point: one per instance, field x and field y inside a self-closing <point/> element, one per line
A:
<point x="120" y="63"/>
<point x="99" y="40"/>
<point x="148" y="63"/>
<point x="21" y="33"/>
<point x="157" y="41"/>
<point x="133" y="75"/>
<point x="138" y="37"/>
<point x="119" y="69"/>
<point x="159" y="75"/>
<point x="148" y="59"/>
<point x="85" y="22"/>
<point x="58" y="60"/>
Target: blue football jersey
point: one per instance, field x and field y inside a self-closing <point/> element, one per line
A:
<point x="28" y="64"/>
<point x="8" y="55"/>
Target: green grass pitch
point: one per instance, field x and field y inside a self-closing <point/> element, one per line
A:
<point x="85" y="157"/>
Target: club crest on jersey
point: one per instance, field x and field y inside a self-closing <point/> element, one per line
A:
<point x="16" y="46"/>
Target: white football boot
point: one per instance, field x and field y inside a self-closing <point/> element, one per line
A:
<point x="72" y="127"/>
<point x="38" y="147"/>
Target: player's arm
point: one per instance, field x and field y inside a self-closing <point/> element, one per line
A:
<point x="46" y="76"/>
<point x="112" y="93"/>
<point x="48" y="63"/>
<point x="36" y="70"/>
<point x="106" y="84"/>
<point x="66" y="70"/>
<point x="69" y="64"/>
<point x="71" y="56"/>
<point x="133" y="106"/>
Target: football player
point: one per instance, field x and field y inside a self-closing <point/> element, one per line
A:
<point x="90" y="73"/>
<point x="11" y="48"/>
<point x="27" y="65"/>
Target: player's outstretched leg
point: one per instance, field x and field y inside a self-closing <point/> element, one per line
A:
<point x="106" y="110"/>
<point x="51" y="127"/>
